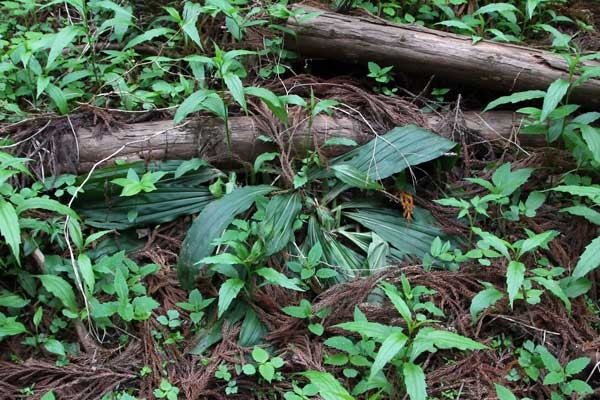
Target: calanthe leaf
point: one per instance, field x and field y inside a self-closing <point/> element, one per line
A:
<point x="277" y="227"/>
<point x="391" y="153"/>
<point x="414" y="380"/>
<point x="589" y="259"/>
<point x="354" y="177"/>
<point x="209" y="225"/>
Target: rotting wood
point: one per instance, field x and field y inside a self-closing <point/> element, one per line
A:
<point x="418" y="50"/>
<point x="205" y="137"/>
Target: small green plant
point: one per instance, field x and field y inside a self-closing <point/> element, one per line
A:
<point x="301" y="393"/>
<point x="538" y="362"/>
<point x="223" y="373"/>
<point x="396" y="348"/>
<point x="305" y="311"/>
<point x="195" y="305"/>
<point x="310" y="266"/>
<point x="166" y="390"/>
<point x="382" y="76"/>
<point x="267" y="366"/>
<point x="133" y="184"/>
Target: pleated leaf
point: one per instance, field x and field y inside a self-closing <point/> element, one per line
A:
<point x="277" y="227"/>
<point x="209" y="225"/>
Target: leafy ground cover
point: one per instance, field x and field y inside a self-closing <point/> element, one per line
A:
<point x="409" y="266"/>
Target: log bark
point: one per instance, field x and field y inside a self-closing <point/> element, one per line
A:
<point x="418" y="50"/>
<point x="205" y="137"/>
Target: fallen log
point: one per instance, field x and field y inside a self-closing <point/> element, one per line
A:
<point x="205" y="137"/>
<point x="418" y="50"/>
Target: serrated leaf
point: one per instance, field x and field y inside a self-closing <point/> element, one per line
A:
<point x="191" y="12"/>
<point x="45" y="204"/>
<point x="391" y="346"/>
<point x="147" y="36"/>
<point x="484" y="299"/>
<point x="61" y="40"/>
<point x="87" y="272"/>
<point x="9" y="227"/>
<point x="589" y="259"/>
<point x="58" y="97"/>
<point x="554" y="95"/>
<point x="277" y="278"/>
<point x="227" y="293"/>
<point x="503" y="393"/>
<point x="496" y="7"/>
<point x="515" y="275"/>
<point x="61" y="289"/>
<point x="591" y="136"/>
<point x="392" y="293"/>
<point x="516" y="98"/>
<point x="236" y="88"/>
<point x="577" y="365"/>
<point x="414" y="380"/>
<point x="329" y="387"/>
<point x="191" y="104"/>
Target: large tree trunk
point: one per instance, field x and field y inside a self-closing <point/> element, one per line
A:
<point x="419" y="50"/>
<point x="205" y="137"/>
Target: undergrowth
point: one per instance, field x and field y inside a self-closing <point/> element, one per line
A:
<point x="407" y="265"/>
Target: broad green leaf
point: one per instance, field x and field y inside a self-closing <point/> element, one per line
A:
<point x="236" y="88"/>
<point x="267" y="371"/>
<point x="189" y="165"/>
<point x="277" y="278"/>
<point x="507" y="181"/>
<point x="45" y="204"/>
<point x="329" y="387"/>
<point x="392" y="293"/>
<point x="260" y="355"/>
<point x="503" y="393"/>
<point x="516" y="98"/>
<point x="428" y="339"/>
<point x="515" y="275"/>
<point x="589" y="259"/>
<point x="555" y="289"/>
<point x="577" y="365"/>
<point x="370" y="329"/>
<point x="391" y="153"/>
<point x="87" y="272"/>
<point x="536" y="241"/>
<point x="556" y="92"/>
<point x="9" y="326"/>
<point x="377" y="253"/>
<point x="586" y="212"/>
<point x="414" y="380"/>
<point x="591" y="136"/>
<point x="121" y="287"/>
<point x="227" y="293"/>
<point x="271" y="100"/>
<point x="498" y="244"/>
<point x="277" y="227"/>
<point x="61" y="289"/>
<point x="261" y="159"/>
<point x="58" y="97"/>
<point x="406" y="238"/>
<point x="496" y="7"/>
<point x="191" y="104"/>
<point x="484" y="299"/>
<point x="9" y="227"/>
<point x="55" y="347"/>
<point x="354" y="177"/>
<point x="61" y="40"/>
<point x="147" y="36"/>
<point x="11" y="300"/>
<point x="209" y="225"/>
<point x="452" y="23"/>
<point x="391" y="346"/>
<point x="592" y="192"/>
<point x="191" y="12"/>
